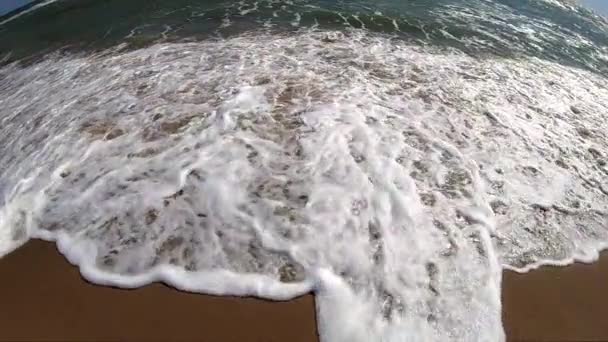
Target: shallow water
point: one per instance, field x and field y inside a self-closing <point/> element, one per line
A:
<point x="391" y="157"/>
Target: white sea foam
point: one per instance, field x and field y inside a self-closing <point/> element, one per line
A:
<point x="395" y="181"/>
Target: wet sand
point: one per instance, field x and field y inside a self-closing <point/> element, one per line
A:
<point x="43" y="297"/>
<point x="557" y="303"/>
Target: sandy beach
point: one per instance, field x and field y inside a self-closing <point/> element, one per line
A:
<point x="557" y="303"/>
<point x="377" y="159"/>
<point x="44" y="298"/>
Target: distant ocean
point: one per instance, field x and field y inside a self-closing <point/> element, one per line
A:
<point x="391" y="156"/>
<point x="8" y="6"/>
<point x="598" y="5"/>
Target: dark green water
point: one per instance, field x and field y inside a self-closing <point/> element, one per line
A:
<point x="511" y="28"/>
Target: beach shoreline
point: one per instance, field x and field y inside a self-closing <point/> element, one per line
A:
<point x="45" y="298"/>
<point x="554" y="303"/>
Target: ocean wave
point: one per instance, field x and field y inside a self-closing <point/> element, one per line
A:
<point x="28" y="10"/>
<point x="559" y="33"/>
<point x="394" y="180"/>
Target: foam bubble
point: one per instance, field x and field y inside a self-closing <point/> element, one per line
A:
<point x="393" y="180"/>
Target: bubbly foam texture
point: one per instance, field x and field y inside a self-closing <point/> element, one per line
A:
<point x="393" y="180"/>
